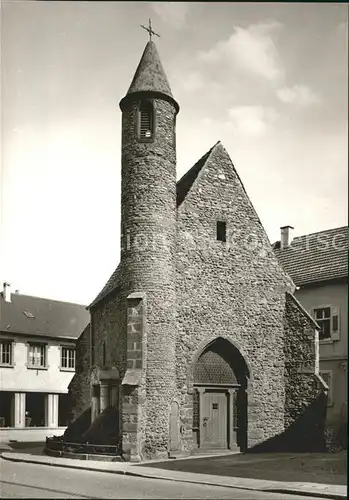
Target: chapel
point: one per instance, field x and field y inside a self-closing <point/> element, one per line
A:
<point x="196" y="341"/>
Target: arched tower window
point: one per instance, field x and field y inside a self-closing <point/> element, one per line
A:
<point x="146" y="121"/>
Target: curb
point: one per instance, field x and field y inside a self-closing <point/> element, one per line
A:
<point x="290" y="491"/>
<point x="317" y="494"/>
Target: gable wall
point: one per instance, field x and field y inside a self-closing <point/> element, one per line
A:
<point x="235" y="289"/>
<point x="79" y="387"/>
<point x="109" y="326"/>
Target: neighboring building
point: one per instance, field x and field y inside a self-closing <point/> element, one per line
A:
<point x="37" y="363"/>
<point x="196" y="337"/>
<point x="318" y="265"/>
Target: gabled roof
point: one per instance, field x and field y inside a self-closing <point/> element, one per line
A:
<point x="43" y="317"/>
<point x="183" y="187"/>
<point x="316" y="257"/>
<point x="111" y="285"/>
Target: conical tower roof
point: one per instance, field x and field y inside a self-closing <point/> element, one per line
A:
<point x="150" y="77"/>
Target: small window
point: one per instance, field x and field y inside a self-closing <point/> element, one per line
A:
<point x="214" y="406"/>
<point x="29" y="315"/>
<point x="68" y="358"/>
<point x="221" y="231"/>
<point x="104" y="353"/>
<point x="37" y="356"/>
<point x="6" y="352"/>
<point x="146" y="120"/>
<point x="323" y="318"/>
<point x="327" y="377"/>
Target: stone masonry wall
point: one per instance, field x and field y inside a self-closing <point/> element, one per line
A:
<point x="148" y="217"/>
<point x="305" y="406"/>
<point x="109" y="324"/>
<point x="79" y="387"/>
<point x="235" y="289"/>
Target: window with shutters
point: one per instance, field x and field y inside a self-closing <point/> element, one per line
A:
<point x="146" y="121"/>
<point x="327" y="317"/>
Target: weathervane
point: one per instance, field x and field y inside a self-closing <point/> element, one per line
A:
<point x="149" y="29"/>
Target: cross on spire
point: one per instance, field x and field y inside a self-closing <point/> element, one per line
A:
<point x="149" y="29"/>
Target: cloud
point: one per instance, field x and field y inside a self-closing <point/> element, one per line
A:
<point x="252" y="49"/>
<point x="193" y="81"/>
<point x="174" y="13"/>
<point x="252" y="120"/>
<point x="298" y="94"/>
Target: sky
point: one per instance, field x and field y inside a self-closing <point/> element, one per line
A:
<point x="270" y="80"/>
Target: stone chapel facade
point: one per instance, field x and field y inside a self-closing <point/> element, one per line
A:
<point x="196" y="338"/>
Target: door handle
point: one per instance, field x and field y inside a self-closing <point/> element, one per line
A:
<point x="204" y="421"/>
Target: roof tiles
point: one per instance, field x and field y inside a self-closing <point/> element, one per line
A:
<point x="316" y="257"/>
<point x="150" y="75"/>
<point x="43" y="317"/>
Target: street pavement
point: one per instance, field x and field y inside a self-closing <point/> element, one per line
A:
<point x="27" y="480"/>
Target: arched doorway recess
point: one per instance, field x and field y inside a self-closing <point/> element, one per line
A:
<point x="220" y="400"/>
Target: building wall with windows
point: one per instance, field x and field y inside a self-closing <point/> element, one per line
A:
<point x="37" y="364"/>
<point x="318" y="265"/>
<point x="334" y="341"/>
<point x="46" y="373"/>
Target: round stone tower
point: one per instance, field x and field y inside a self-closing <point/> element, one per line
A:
<point x="148" y="229"/>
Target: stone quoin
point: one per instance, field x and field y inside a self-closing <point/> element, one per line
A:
<point x="196" y="335"/>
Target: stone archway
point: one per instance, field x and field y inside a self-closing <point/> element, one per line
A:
<point x="220" y="378"/>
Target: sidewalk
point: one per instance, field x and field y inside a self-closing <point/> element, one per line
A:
<point x="140" y="470"/>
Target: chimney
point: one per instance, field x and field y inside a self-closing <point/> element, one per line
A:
<point x="285" y="239"/>
<point x="7" y="292"/>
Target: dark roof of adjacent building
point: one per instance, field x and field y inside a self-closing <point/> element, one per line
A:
<point x="185" y="183"/>
<point x="316" y="257"/>
<point x="150" y="75"/>
<point x="42" y="317"/>
<point x="111" y="285"/>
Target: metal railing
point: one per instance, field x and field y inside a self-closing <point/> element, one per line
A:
<point x="57" y="444"/>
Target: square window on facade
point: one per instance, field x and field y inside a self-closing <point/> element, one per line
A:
<point x="68" y="358"/>
<point x="37" y="356"/>
<point x="6" y="352"/>
<point x="323" y="318"/>
<point x="221" y="231"/>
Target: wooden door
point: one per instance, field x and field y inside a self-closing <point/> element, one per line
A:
<point x="214" y="421"/>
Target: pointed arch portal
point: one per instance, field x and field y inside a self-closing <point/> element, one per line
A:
<point x="220" y="376"/>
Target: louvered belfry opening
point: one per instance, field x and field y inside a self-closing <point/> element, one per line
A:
<point x="146" y="120"/>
